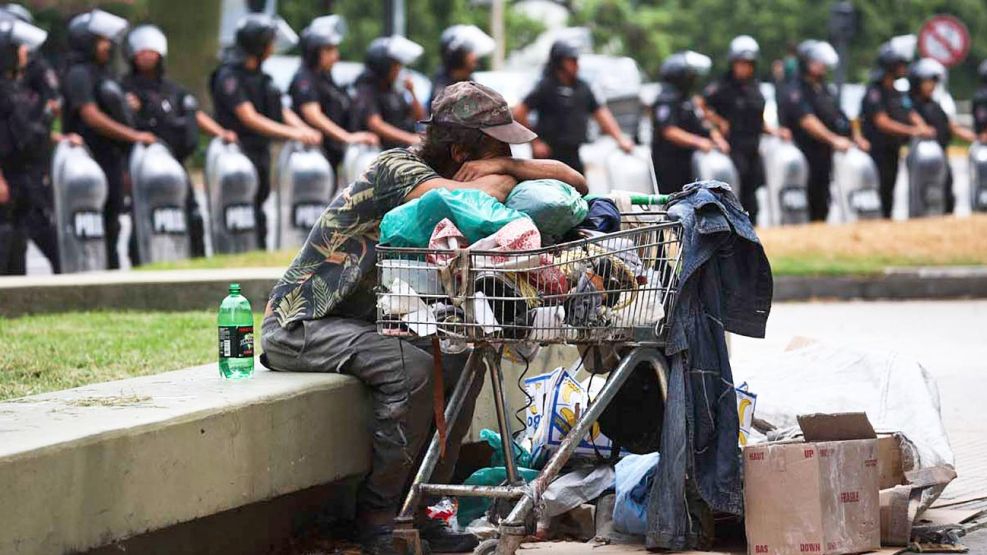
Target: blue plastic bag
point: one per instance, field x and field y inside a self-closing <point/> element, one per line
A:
<point x="554" y="206"/>
<point x="634" y="476"/>
<point x="475" y="213"/>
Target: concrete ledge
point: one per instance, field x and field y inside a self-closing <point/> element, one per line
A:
<point x="204" y="289"/>
<point x="86" y="467"/>
<point x="138" y="290"/>
<point x="895" y="284"/>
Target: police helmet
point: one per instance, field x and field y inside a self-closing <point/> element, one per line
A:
<point x="810" y="51"/>
<point x="86" y="27"/>
<point x="327" y="30"/>
<point x="897" y="51"/>
<point x="743" y="47"/>
<point x="255" y="31"/>
<point x="459" y="40"/>
<point x="385" y="51"/>
<point x="18" y="11"/>
<point x="15" y="33"/>
<point x="145" y="37"/>
<point x="925" y="69"/>
<point x="561" y="50"/>
<point x="682" y="69"/>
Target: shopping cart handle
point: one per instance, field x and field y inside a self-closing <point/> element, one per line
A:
<point x="650" y="200"/>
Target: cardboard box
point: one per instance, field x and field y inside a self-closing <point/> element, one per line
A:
<point x="819" y="496"/>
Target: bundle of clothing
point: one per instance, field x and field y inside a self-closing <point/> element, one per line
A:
<point x="537" y="267"/>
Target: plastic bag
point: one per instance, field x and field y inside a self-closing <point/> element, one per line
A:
<point x="634" y="475"/>
<point x="554" y="206"/>
<point x="475" y="213"/>
<point x="472" y="508"/>
<point x="521" y="455"/>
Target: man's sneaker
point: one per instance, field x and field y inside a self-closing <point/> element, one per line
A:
<point x="441" y="538"/>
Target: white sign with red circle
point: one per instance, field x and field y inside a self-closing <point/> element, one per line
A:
<point x="944" y="39"/>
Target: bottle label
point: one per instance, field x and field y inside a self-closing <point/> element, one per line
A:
<point x="236" y="341"/>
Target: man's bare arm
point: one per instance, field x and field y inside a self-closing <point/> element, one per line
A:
<point x="523" y="170"/>
<point x="496" y="185"/>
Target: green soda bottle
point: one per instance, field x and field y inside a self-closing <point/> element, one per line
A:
<point x="236" y="335"/>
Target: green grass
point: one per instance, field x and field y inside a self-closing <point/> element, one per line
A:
<point x="252" y="259"/>
<point x="52" y="352"/>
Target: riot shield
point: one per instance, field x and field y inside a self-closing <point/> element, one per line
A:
<point x="356" y="160"/>
<point x="160" y="188"/>
<point x="631" y="172"/>
<point x="232" y="185"/>
<point x="978" y="177"/>
<point x="926" y="179"/>
<point x="786" y="177"/>
<point x="714" y="165"/>
<point x="79" y="187"/>
<point x="855" y="186"/>
<point x="306" y="185"/>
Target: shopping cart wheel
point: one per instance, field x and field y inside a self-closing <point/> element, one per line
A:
<point x="486" y="547"/>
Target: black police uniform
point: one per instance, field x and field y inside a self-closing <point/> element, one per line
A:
<point x="169" y="112"/>
<point x="673" y="163"/>
<point x="741" y="104"/>
<point x="87" y="82"/>
<point x="933" y="114"/>
<point x="231" y="85"/>
<point x="563" y="116"/>
<point x="805" y="98"/>
<point x="319" y="87"/>
<point x="980" y="110"/>
<point x="24" y="136"/>
<point x="885" y="148"/>
<point x="372" y="97"/>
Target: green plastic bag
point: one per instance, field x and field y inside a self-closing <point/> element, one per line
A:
<point x="554" y="206"/>
<point x="472" y="508"/>
<point x="521" y="455"/>
<point x="475" y="213"/>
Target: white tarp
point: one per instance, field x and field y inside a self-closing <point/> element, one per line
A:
<point x="895" y="391"/>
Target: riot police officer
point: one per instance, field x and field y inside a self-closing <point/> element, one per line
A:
<point x="247" y="101"/>
<point x="923" y="77"/>
<point x="39" y="78"/>
<point x="564" y="104"/>
<point x="315" y="95"/>
<point x="735" y="105"/>
<point x="461" y="47"/>
<point x="25" y="131"/>
<point x="96" y="109"/>
<point x="679" y="129"/>
<point x="888" y="118"/>
<point x="380" y="107"/>
<point x="810" y="109"/>
<point x="166" y="109"/>
<point x="980" y="104"/>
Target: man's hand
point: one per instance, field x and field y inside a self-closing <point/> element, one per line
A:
<point x="409" y="84"/>
<point x="364" y="138"/>
<point x="721" y="144"/>
<point x="924" y="132"/>
<point x="4" y="191"/>
<point x="309" y="137"/>
<point x="475" y="169"/>
<point x="73" y="139"/>
<point x="133" y="101"/>
<point x="228" y="136"/>
<point x="625" y="144"/>
<point x="146" y="138"/>
<point x="862" y="143"/>
<point x="841" y="143"/>
<point x="540" y="149"/>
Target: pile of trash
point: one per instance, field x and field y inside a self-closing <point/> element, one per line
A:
<point x="844" y="451"/>
<point x="545" y="266"/>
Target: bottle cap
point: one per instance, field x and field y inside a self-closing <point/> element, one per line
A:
<point x="234" y="289"/>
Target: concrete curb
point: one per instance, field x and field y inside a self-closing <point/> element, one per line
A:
<point x="204" y="289"/>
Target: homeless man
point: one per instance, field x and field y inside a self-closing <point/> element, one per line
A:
<point x="320" y="317"/>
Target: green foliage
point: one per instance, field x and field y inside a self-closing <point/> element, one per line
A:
<point x="426" y="19"/>
<point x="649" y="30"/>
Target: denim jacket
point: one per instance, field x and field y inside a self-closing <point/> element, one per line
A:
<point x="725" y="284"/>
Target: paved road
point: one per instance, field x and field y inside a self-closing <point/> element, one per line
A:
<point x="949" y="338"/>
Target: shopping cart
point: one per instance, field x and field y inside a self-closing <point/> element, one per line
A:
<point x="615" y="289"/>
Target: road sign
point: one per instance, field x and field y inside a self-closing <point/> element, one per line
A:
<point x="945" y="39"/>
